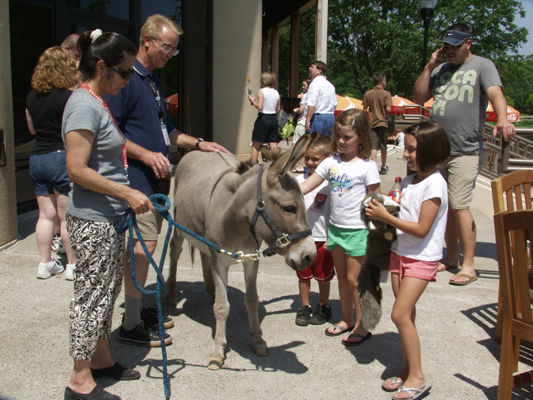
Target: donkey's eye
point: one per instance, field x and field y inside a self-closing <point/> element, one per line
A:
<point x="290" y="209"/>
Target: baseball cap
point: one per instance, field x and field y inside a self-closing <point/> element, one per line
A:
<point x="455" y="38"/>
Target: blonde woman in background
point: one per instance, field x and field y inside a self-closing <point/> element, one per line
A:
<point x="52" y="82"/>
<point x="266" y="128"/>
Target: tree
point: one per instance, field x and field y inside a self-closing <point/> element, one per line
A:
<point x="517" y="77"/>
<point x="366" y="37"/>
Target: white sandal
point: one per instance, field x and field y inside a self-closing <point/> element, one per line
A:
<point x="395" y="381"/>
<point x="414" y="393"/>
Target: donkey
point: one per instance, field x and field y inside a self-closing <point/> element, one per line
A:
<point x="238" y="206"/>
<point x="380" y="238"/>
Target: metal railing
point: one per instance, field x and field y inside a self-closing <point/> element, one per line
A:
<point x="499" y="157"/>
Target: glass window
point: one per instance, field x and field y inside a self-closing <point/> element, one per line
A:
<point x="111" y="8"/>
<point x="26" y="47"/>
<point x="169" y="8"/>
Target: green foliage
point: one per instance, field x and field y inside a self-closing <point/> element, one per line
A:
<point x="387" y="36"/>
<point x="517" y="78"/>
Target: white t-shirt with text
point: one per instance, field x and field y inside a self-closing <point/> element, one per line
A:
<point x="348" y="182"/>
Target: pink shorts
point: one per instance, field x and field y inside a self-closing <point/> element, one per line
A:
<point x="322" y="267"/>
<point x="405" y="266"/>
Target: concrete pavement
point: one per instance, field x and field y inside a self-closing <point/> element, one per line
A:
<point x="456" y="327"/>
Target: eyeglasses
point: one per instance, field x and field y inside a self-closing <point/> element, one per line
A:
<point x="167" y="48"/>
<point x="124" y="73"/>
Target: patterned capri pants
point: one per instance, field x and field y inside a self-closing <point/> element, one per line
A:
<point x="100" y="252"/>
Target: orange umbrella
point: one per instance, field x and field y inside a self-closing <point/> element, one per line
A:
<point x="401" y="105"/>
<point x="172" y="104"/>
<point x="513" y="115"/>
<point x="345" y="103"/>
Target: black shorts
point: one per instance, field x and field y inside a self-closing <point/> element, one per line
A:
<point x="381" y="133"/>
<point x="266" y="129"/>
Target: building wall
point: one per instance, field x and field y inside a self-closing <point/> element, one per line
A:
<point x="8" y="213"/>
<point x="236" y="65"/>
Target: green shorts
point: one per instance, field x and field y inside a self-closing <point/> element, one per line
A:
<point x="352" y="241"/>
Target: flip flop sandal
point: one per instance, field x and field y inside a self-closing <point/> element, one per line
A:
<point x="464" y="283"/>
<point x="414" y="393"/>
<point x="337" y="330"/>
<point x="347" y="341"/>
<point x="392" y="384"/>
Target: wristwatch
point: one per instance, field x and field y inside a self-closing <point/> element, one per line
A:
<point x="198" y="141"/>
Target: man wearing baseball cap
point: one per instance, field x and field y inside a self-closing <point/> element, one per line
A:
<point x="461" y="84"/>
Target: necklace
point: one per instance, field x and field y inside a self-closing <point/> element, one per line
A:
<point x="83" y="85"/>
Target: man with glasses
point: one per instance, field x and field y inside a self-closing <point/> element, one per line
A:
<point x="462" y="84"/>
<point x="140" y="111"/>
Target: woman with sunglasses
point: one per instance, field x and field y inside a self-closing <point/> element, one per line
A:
<point x="97" y="165"/>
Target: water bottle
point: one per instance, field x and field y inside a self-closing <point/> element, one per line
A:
<point x="395" y="192"/>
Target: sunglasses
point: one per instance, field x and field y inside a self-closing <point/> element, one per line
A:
<point x="124" y="73"/>
<point x="451" y="46"/>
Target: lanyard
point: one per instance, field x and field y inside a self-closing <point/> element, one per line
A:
<point x="160" y="109"/>
<point x="83" y="85"/>
<point x="157" y="98"/>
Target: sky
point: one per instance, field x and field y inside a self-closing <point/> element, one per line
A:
<point x="527" y="22"/>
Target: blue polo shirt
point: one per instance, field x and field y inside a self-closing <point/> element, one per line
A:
<point x="137" y="113"/>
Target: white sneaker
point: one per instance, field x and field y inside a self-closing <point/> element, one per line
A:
<point x="70" y="269"/>
<point x="46" y="270"/>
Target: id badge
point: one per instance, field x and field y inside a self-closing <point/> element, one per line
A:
<point x="165" y="134"/>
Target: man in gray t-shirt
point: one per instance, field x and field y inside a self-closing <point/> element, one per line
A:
<point x="462" y="84"/>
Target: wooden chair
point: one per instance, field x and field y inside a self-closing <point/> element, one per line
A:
<point x="514" y="235"/>
<point x="511" y="192"/>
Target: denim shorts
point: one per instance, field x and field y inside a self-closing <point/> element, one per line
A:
<point x="49" y="172"/>
<point x="322" y="123"/>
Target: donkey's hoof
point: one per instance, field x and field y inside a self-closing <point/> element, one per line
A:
<point x="215" y="364"/>
<point x="261" y="349"/>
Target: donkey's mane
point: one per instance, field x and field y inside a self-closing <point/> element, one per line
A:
<point x="268" y="156"/>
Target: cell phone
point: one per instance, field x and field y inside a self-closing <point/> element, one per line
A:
<point x="248" y="91"/>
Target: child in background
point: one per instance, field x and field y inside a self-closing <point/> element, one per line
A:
<point x="416" y="253"/>
<point x="317" y="206"/>
<point x="351" y="174"/>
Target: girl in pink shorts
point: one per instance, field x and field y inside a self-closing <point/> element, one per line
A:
<point x="418" y="249"/>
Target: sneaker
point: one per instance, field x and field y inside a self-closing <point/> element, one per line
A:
<point x="70" y="269"/>
<point x="384" y="169"/>
<point x="142" y="336"/>
<point x="321" y="315"/>
<point x="46" y="270"/>
<point x="149" y="317"/>
<point x="57" y="245"/>
<point x="303" y="315"/>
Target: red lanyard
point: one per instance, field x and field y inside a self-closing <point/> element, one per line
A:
<point x="106" y="108"/>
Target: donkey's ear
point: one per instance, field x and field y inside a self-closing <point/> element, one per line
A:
<point x="288" y="160"/>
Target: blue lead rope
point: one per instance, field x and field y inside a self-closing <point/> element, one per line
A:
<point x="128" y="222"/>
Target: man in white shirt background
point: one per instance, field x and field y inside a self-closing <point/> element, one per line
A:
<point x="321" y="100"/>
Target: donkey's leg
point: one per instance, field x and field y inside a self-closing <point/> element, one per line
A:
<point x="251" y="301"/>
<point x="175" y="251"/>
<point x="208" y="275"/>
<point x="221" y="310"/>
